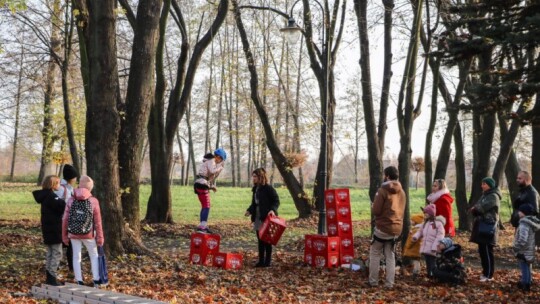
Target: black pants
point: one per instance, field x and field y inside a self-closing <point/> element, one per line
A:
<point x="265" y="251"/>
<point x="486" y="257"/>
<point x="69" y="256"/>
<point x="431" y="264"/>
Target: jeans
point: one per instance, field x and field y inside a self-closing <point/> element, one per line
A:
<point x="91" y="247"/>
<point x="376" y="251"/>
<point x="53" y="257"/>
<point x="526" y="271"/>
<point x="487" y="259"/>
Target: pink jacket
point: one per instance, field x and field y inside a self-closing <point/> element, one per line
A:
<point x="82" y="194"/>
<point x="431" y="233"/>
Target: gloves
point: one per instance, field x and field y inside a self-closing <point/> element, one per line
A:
<point x="520" y="256"/>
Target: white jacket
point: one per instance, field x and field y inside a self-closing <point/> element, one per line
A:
<point x="208" y="172"/>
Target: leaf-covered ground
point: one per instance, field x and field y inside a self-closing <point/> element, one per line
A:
<point x="168" y="277"/>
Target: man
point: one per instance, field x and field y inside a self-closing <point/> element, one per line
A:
<point x="527" y="195"/>
<point x="388" y="209"/>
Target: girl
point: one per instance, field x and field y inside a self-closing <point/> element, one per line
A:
<point x="52" y="209"/>
<point x="440" y="197"/>
<point x="264" y="202"/>
<point x="93" y="238"/>
<point x="412" y="249"/>
<point x="208" y="172"/>
<point x="431" y="233"/>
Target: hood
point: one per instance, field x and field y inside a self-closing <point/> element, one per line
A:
<point x="392" y="186"/>
<point x="441" y="219"/>
<point x="41" y="195"/>
<point x="496" y="191"/>
<point x="532" y="221"/>
<point x="82" y="193"/>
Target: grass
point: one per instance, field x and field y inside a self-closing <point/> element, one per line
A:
<point x="228" y="204"/>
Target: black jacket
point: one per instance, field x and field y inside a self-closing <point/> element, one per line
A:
<point x="268" y="200"/>
<point x="526" y="195"/>
<point x="52" y="210"/>
<point x="450" y="268"/>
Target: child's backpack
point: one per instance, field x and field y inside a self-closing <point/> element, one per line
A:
<point x="81" y="217"/>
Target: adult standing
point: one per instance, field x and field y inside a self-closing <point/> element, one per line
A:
<point x="486" y="210"/>
<point x="440" y="197"/>
<point x="388" y="209"/>
<point x="264" y="202"/>
<point x="527" y="195"/>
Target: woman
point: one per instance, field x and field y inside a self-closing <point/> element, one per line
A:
<point x="440" y="197"/>
<point x="487" y="210"/>
<point x="264" y="202"/>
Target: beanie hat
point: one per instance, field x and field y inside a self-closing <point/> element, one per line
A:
<point x="490" y="182"/>
<point x="86" y="182"/>
<point x="526" y="209"/>
<point x="69" y="172"/>
<point x="429" y="209"/>
<point x="447" y="242"/>
<point x="417" y="218"/>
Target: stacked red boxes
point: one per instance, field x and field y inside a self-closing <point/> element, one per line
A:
<point x="324" y="251"/>
<point x="339" y="221"/>
<point x="228" y="260"/>
<point x="203" y="248"/>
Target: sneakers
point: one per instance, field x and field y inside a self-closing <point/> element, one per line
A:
<point x="80" y="283"/>
<point x="97" y="284"/>
<point x="204" y="230"/>
<point x="485" y="279"/>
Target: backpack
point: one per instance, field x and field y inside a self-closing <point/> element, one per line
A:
<point x="81" y="217"/>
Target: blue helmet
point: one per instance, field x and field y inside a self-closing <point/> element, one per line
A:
<point x="221" y="153"/>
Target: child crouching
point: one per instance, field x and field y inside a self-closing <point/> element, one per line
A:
<point x="450" y="268"/>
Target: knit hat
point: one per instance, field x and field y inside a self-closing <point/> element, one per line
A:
<point x="69" y="172"/>
<point x="447" y="242"/>
<point x="429" y="209"/>
<point x="86" y="182"/>
<point x="417" y="218"/>
<point x="526" y="209"/>
<point x="490" y="182"/>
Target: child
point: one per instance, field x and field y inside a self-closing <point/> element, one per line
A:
<point x="83" y="226"/>
<point x="431" y="233"/>
<point x="52" y="209"/>
<point x="450" y="268"/>
<point x="412" y="249"/>
<point x="208" y="172"/>
<point x="524" y="243"/>
<point x="65" y="191"/>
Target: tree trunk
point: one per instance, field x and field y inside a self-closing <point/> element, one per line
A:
<point x="300" y="198"/>
<point x="461" y="181"/>
<point x="428" y="170"/>
<point x="139" y="97"/>
<point x="535" y="153"/>
<point x="17" y="113"/>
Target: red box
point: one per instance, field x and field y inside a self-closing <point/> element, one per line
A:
<point x="345" y="229"/>
<point x="332" y="228"/>
<point x="337" y="196"/>
<point x="201" y="258"/>
<point x="343" y="213"/>
<point x="325" y="244"/>
<point x="346" y="243"/>
<point x="272" y="229"/>
<point x="346" y="255"/>
<point x="205" y="243"/>
<point x="331" y="213"/>
<point x="308" y="258"/>
<point x="228" y="260"/>
<point x="329" y="260"/>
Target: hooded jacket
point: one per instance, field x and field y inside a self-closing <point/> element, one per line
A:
<point x="524" y="242"/>
<point x="526" y="195"/>
<point x="52" y="209"/>
<point x="486" y="209"/>
<point x="444" y="208"/>
<point x="97" y="230"/>
<point x="431" y="233"/>
<point x="389" y="207"/>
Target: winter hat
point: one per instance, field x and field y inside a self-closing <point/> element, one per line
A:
<point x="447" y="242"/>
<point x="69" y="172"/>
<point x="417" y="218"/>
<point x="86" y="182"/>
<point x="526" y="209"/>
<point x="490" y="182"/>
<point x="429" y="209"/>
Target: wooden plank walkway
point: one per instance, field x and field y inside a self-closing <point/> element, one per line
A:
<point x="71" y="293"/>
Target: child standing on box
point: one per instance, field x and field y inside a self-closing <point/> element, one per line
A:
<point x="524" y="243"/>
<point x="412" y="249"/>
<point x="264" y="202"/>
<point x="52" y="209"/>
<point x="450" y="268"/>
<point x="431" y="233"/>
<point x="209" y="170"/>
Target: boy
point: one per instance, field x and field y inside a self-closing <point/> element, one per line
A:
<point x="450" y="268"/>
<point x="524" y="244"/>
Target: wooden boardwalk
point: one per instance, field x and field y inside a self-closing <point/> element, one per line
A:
<point x="71" y="293"/>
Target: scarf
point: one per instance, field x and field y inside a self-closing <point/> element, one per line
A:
<point x="434" y="196"/>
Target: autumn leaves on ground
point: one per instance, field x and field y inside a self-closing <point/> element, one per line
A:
<point x="169" y="277"/>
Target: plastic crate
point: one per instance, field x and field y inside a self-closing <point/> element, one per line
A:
<point x="325" y="244"/>
<point x="272" y="229"/>
<point x="329" y="260"/>
<point x="203" y="248"/>
<point x="333" y="197"/>
<point x="228" y="260"/>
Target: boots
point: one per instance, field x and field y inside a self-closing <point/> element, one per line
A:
<point x="51" y="280"/>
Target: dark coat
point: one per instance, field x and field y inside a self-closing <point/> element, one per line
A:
<point x="526" y="195"/>
<point x="486" y="209"/>
<point x="268" y="200"/>
<point x="52" y="210"/>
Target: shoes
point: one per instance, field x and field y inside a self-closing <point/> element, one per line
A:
<point x="80" y="283"/>
<point x="204" y="230"/>
<point x="524" y="287"/>
<point x="97" y="284"/>
<point x="52" y="280"/>
<point x="485" y="279"/>
<point x="259" y="265"/>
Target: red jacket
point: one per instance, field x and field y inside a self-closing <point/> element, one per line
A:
<point x="444" y="208"/>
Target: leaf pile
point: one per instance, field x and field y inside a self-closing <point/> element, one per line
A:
<point x="168" y="277"/>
